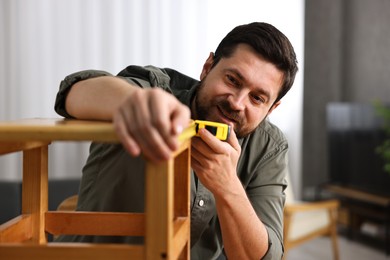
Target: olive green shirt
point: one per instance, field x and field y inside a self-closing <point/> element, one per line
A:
<point x="112" y="180"/>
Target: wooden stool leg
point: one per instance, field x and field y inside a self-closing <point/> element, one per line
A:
<point x="159" y="198"/>
<point x="182" y="196"/>
<point x="35" y="189"/>
<point x="167" y="208"/>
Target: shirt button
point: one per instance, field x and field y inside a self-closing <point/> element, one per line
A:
<point x="201" y="203"/>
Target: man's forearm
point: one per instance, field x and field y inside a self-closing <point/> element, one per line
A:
<point x="97" y="98"/>
<point x="244" y="235"/>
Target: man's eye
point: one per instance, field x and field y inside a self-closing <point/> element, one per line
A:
<point x="232" y="80"/>
<point x="257" y="99"/>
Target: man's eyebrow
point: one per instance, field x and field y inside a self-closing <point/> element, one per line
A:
<point x="237" y="73"/>
<point x="260" y="91"/>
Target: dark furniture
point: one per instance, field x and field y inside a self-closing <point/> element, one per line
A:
<point x="355" y="170"/>
<point x="11" y="196"/>
<point x="354" y="132"/>
<point x="363" y="206"/>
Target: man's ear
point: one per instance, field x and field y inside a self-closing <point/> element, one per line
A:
<point x="273" y="107"/>
<point x="207" y="66"/>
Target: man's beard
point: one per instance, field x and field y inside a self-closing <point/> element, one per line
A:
<point x="203" y="109"/>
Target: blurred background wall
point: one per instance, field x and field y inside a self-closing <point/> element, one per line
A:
<point x="347" y="59"/>
<point x="42" y="41"/>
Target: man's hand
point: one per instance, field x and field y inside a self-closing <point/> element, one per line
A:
<point x="146" y="120"/>
<point x="215" y="161"/>
<point x="149" y="121"/>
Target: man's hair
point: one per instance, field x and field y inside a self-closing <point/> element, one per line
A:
<point x="267" y="41"/>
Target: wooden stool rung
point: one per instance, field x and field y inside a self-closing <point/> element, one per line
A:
<point x="95" y="223"/>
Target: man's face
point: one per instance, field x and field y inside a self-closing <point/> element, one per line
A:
<point x="239" y="90"/>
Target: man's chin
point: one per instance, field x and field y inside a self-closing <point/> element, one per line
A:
<point x="243" y="132"/>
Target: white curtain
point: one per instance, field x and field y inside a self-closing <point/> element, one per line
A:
<point x="42" y="41"/>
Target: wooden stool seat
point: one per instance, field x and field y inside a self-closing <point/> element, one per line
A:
<point x="165" y="223"/>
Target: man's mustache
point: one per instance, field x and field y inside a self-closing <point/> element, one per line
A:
<point x="229" y="112"/>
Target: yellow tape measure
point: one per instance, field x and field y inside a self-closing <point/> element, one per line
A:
<point x="219" y="130"/>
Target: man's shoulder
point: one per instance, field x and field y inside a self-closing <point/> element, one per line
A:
<point x="179" y="80"/>
<point x="159" y="76"/>
<point x="270" y="132"/>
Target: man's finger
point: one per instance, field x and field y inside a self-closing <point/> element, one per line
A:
<point x="213" y="142"/>
<point x="161" y="107"/>
<point x="180" y="119"/>
<point x="233" y="141"/>
<point x="125" y="137"/>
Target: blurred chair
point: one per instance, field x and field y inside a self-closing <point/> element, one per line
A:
<point x="304" y="221"/>
<point x="68" y="204"/>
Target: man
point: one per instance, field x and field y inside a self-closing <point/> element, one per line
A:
<point x="237" y="186"/>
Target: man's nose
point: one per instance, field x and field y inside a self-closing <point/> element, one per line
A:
<point x="237" y="100"/>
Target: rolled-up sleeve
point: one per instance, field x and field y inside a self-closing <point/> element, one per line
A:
<point x="67" y="84"/>
<point x="143" y="77"/>
<point x="262" y="170"/>
<point x="266" y="193"/>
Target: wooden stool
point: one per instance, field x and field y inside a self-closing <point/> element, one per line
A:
<point x="165" y="223"/>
